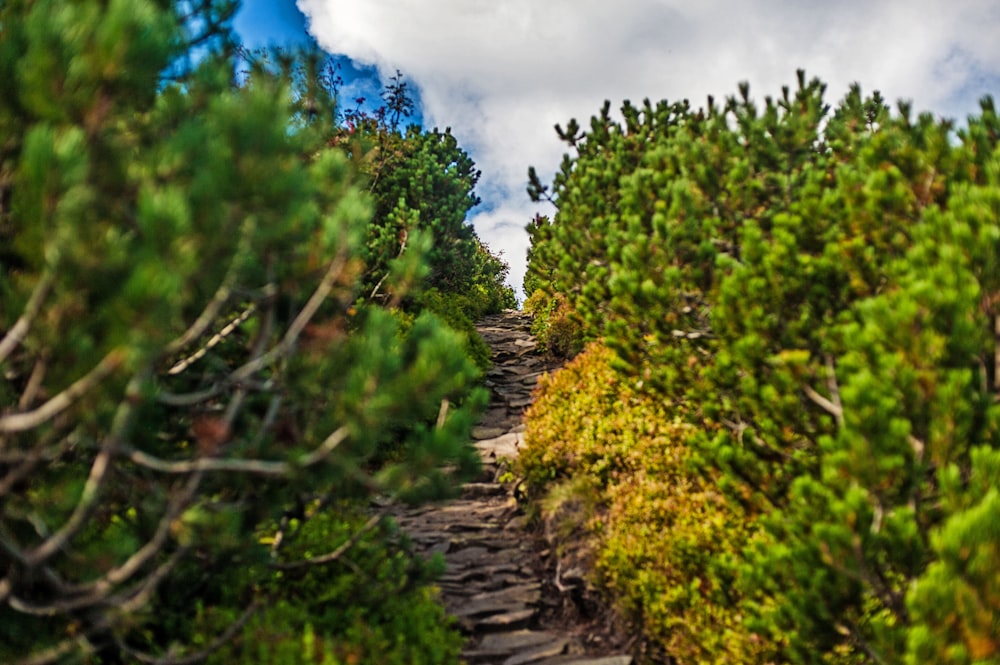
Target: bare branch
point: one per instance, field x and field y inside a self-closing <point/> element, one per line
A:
<point x="834" y="388"/>
<point x="236" y="403"/>
<point x="205" y="464"/>
<point x="402" y="248"/>
<point x="188" y="399"/>
<point x="122" y="606"/>
<point x="34" y="384"/>
<point x="335" y="554"/>
<point x="918" y="447"/>
<point x="327" y="447"/>
<point x="443" y="413"/>
<point x="202" y="396"/>
<point x="19" y="422"/>
<point x="126" y="604"/>
<point x="26" y="461"/>
<point x="252" y="467"/>
<point x="833" y="405"/>
<point x="201" y="324"/>
<point x="824" y="403"/>
<point x="754" y="442"/>
<point x="213" y="341"/>
<point x="99" y="589"/>
<point x="371" y="296"/>
<point x="273" y="409"/>
<point x="19" y="331"/>
<point x="219" y="299"/>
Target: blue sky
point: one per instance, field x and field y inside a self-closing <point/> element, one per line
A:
<point x="279" y="23"/>
<point x="502" y="73"/>
<point x="272" y="23"/>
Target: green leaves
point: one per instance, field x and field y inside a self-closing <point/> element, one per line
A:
<point x="956" y="602"/>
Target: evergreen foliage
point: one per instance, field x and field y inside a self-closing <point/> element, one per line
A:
<point x="197" y="395"/>
<point x="814" y="291"/>
<point x="422" y="185"/>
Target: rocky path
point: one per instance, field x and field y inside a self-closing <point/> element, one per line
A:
<point x="495" y="582"/>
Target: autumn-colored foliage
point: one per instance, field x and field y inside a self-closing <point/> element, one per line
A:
<point x="664" y="537"/>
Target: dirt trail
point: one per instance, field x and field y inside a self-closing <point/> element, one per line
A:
<point x="496" y="583"/>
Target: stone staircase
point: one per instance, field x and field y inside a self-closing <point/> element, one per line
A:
<point x="495" y="582"/>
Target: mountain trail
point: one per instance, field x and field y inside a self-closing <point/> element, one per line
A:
<point x="498" y="583"/>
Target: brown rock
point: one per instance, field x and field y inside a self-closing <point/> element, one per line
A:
<point x="482" y="433"/>
<point x="516" y="619"/>
<point x="555" y="648"/>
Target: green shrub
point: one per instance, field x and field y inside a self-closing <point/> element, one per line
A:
<point x="460" y="314"/>
<point x="814" y="290"/>
<point x="554" y="325"/>
<point x="664" y="539"/>
<point x="374" y="605"/>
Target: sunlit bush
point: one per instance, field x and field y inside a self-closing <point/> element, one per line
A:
<point x="663" y="539"/>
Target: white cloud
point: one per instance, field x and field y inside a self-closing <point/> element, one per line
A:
<point x="501" y="73"/>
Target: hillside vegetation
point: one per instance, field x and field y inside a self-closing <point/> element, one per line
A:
<point x="789" y="412"/>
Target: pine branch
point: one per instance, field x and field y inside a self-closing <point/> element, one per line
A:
<point x="95" y="479"/>
<point x="287" y="344"/>
<point x="96" y="592"/>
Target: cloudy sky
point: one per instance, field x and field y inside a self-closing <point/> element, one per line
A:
<point x="501" y="73"/>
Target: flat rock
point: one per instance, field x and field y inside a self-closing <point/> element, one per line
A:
<point x="519" y="523"/>
<point x="506" y="643"/>
<point x="532" y="378"/>
<point x="501" y="446"/>
<point x="486" y="607"/>
<point x="525" y="593"/>
<point x="554" y="648"/>
<point x="467" y="555"/>
<point x="483" y="433"/>
<point x="509" y="620"/>
<point x="482" y="490"/>
<point x="520" y="402"/>
<point x="485" y="572"/>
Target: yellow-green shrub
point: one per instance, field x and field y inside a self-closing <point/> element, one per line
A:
<point x="553" y="324"/>
<point x="664" y="541"/>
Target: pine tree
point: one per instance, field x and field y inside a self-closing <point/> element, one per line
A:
<point x="813" y="289"/>
<point x="186" y="383"/>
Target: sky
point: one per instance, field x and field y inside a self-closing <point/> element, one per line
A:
<point x="502" y="73"/>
